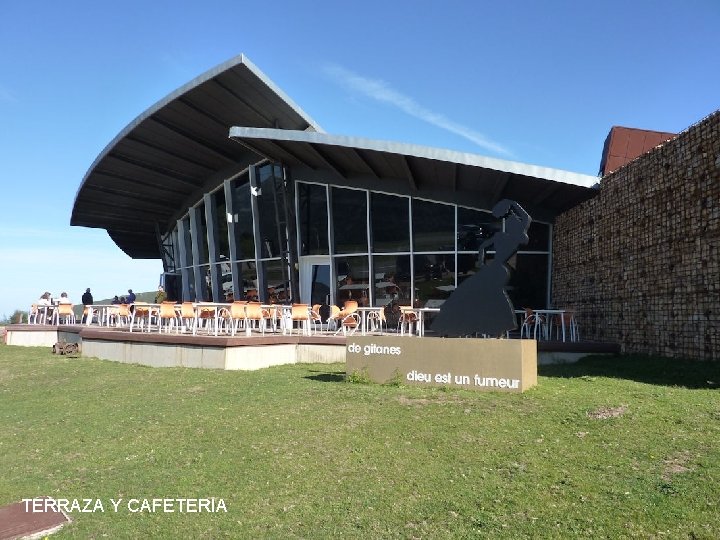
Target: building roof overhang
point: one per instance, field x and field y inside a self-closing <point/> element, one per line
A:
<point x="542" y="191"/>
<point x="165" y="156"/>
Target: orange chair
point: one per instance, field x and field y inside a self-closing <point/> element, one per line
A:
<point x="64" y="313"/>
<point x="255" y="312"/>
<point x="564" y="325"/>
<point x="207" y="317"/>
<point x="187" y="316"/>
<point x="350" y="306"/>
<point x="300" y="313"/>
<point x="236" y="316"/>
<point x="123" y="315"/>
<point x="315" y="318"/>
<point x="349" y="323"/>
<point x="169" y="316"/>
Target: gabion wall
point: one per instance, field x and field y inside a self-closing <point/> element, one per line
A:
<point x="641" y="261"/>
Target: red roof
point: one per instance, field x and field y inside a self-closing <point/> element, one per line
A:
<point x="624" y="144"/>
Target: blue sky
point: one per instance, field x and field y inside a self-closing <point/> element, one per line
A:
<point x="535" y="82"/>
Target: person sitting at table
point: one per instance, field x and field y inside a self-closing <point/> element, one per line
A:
<point x="64" y="299"/>
<point x="115" y="300"/>
<point x="44" y="300"/>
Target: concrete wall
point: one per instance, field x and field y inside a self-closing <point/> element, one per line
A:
<point x="46" y="338"/>
<point x="641" y="261"/>
<point x="246" y="357"/>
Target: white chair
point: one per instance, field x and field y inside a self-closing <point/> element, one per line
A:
<point x="570" y="323"/>
<point x="376" y="321"/>
<point x="533" y="325"/>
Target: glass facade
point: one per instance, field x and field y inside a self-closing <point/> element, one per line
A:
<point x="390" y="223"/>
<point x="376" y="247"/>
<point x="349" y="219"/>
<point x="313" y="219"/>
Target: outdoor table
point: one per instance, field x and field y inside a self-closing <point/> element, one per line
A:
<point x="545" y="329"/>
<point x="282" y="312"/>
<point x="364" y="317"/>
<point x="153" y="311"/>
<point x="103" y="313"/>
<point x="213" y="307"/>
<point x="44" y="311"/>
<point x="549" y="312"/>
<point x="421" y="317"/>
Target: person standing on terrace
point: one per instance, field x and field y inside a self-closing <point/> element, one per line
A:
<point x="160" y="296"/>
<point x="87" y="298"/>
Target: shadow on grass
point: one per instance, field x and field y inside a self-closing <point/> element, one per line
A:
<point x="645" y="369"/>
<point x="325" y="376"/>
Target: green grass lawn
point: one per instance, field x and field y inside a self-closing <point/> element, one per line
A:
<point x="607" y="448"/>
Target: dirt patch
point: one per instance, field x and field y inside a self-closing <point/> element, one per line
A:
<point x="196" y="390"/>
<point x="603" y="413"/>
<point x="676" y="464"/>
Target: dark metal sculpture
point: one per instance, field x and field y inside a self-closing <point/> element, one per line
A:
<point x="480" y="304"/>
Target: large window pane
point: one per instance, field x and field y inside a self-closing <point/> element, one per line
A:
<point x="272" y="212"/>
<point x="226" y="283"/>
<point x="539" y="234"/>
<point x="433" y="226"/>
<point x="202" y="235"/>
<point x="349" y="207"/>
<point x="390" y="223"/>
<point x="469" y="264"/>
<point x="248" y="278"/>
<point x="528" y="281"/>
<point x="276" y="279"/>
<point x="242" y="220"/>
<point x="434" y="281"/>
<point x="313" y="218"/>
<point x="187" y="240"/>
<point x="205" y="295"/>
<point x="221" y="226"/>
<point x="353" y="280"/>
<point x="189" y="276"/>
<point x="475" y="226"/>
<point x="392" y="279"/>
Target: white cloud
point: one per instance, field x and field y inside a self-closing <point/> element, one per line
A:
<point x="381" y="91"/>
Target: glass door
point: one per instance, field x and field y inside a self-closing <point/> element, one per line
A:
<point x="315" y="280"/>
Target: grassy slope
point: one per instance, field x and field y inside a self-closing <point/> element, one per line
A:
<point x="296" y="451"/>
